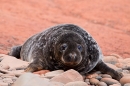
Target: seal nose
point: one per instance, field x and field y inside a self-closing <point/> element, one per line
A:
<point x="72" y="56"/>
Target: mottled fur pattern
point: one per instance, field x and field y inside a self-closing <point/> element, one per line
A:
<point x="65" y="46"/>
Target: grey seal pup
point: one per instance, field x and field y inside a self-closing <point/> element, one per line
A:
<point x="65" y="46"/>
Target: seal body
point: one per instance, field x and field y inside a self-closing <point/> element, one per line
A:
<point x="65" y="46"/>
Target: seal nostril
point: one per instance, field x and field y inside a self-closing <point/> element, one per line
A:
<point x="72" y="56"/>
<point x="67" y="59"/>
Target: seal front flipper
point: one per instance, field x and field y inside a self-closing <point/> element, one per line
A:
<point x="101" y="66"/>
<point x="15" y="51"/>
<point x="34" y="66"/>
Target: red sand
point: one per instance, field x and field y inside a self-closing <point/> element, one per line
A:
<point x="108" y="21"/>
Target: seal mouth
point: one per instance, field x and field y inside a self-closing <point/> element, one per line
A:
<point x="71" y="61"/>
<point x="70" y="64"/>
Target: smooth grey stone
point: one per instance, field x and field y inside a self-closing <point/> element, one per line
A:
<point x="3" y="84"/>
<point x="76" y="83"/>
<point x="126" y="72"/>
<point x="125" y="79"/>
<point x="109" y="81"/>
<point x="30" y="79"/>
<point x="110" y="59"/>
<point x="102" y="84"/>
<point x="7" y="80"/>
<point x="98" y="77"/>
<point x="14" y="79"/>
<point x="56" y="84"/>
<point x="94" y="81"/>
<point x="106" y="76"/>
<point x="86" y="80"/>
<point x="119" y="70"/>
<point x="127" y="84"/>
<point x="53" y="73"/>
<point x="116" y="85"/>
<point x="68" y="76"/>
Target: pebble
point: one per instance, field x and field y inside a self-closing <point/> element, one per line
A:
<point x="126" y="60"/>
<point x="116" y="55"/>
<point x="1" y="59"/>
<point x="86" y="80"/>
<point x="12" y="61"/>
<point x="17" y="72"/>
<point x="6" y="76"/>
<point x="125" y="79"/>
<point x="21" y="67"/>
<point x="98" y="72"/>
<point x="126" y="72"/>
<point x="30" y="79"/>
<point x="14" y="79"/>
<point x="120" y="65"/>
<point x="52" y="74"/>
<point x="114" y="67"/>
<point x="45" y="79"/>
<point x="94" y="81"/>
<point x="76" y="83"/>
<point x="106" y="76"/>
<point x="126" y="68"/>
<point x="56" y="84"/>
<point x="109" y="81"/>
<point x="88" y="83"/>
<point x="60" y="78"/>
<point x="3" y="84"/>
<point x="115" y="85"/>
<point x="98" y="77"/>
<point x="127" y="84"/>
<point x="119" y="70"/>
<point x="1" y="78"/>
<point x="110" y="59"/>
<point x="7" y="80"/>
<point x="4" y="71"/>
<point x="68" y="76"/>
<point x="128" y="75"/>
<point x="102" y="84"/>
<point x="89" y="76"/>
<point x="5" y="67"/>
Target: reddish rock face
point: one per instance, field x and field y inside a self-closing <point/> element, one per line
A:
<point x="107" y="21"/>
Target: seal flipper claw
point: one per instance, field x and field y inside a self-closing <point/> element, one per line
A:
<point x="15" y="51"/>
<point x="101" y="66"/>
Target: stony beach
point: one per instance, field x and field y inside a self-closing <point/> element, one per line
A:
<point x="108" y="21"/>
<point x="12" y="74"/>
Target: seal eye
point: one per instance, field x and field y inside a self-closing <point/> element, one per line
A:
<point x="63" y="47"/>
<point x="79" y="47"/>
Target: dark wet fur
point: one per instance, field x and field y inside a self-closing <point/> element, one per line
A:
<point x="43" y="48"/>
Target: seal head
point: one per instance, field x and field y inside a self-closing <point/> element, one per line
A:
<point x="70" y="49"/>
